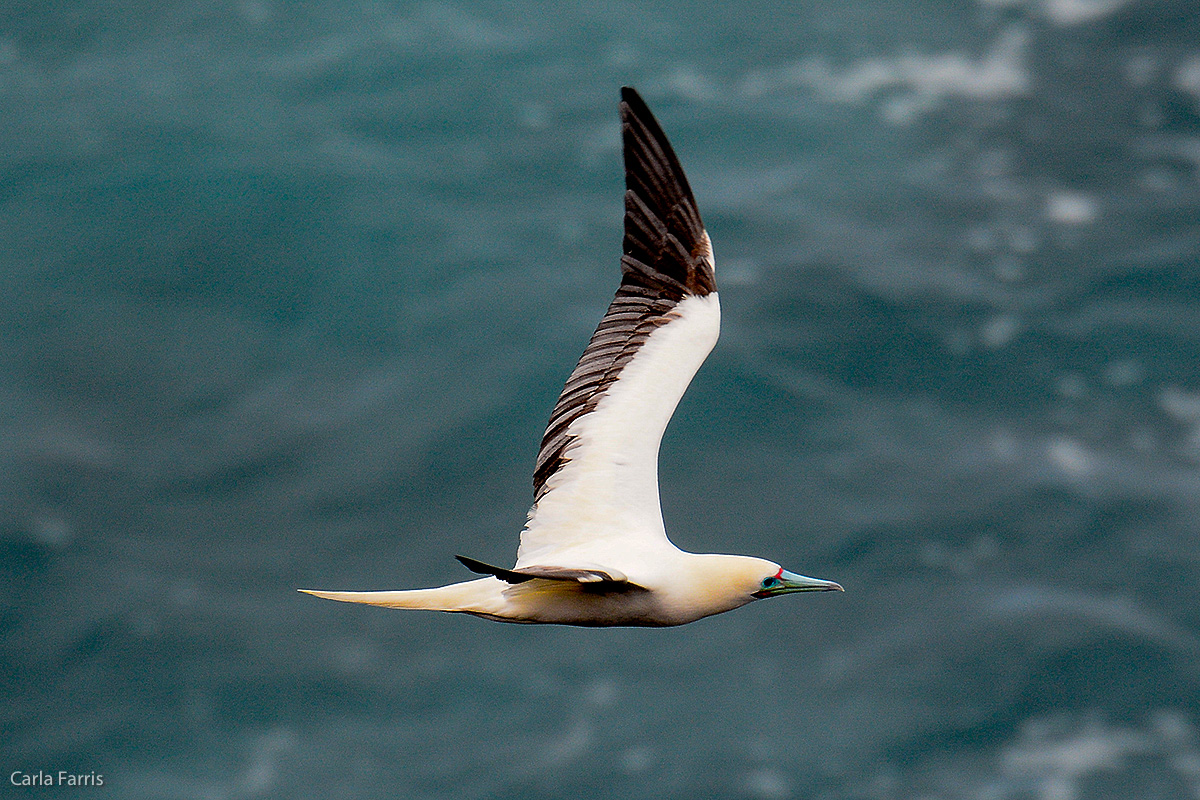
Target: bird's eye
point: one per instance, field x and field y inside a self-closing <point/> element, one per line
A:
<point x="770" y="582"/>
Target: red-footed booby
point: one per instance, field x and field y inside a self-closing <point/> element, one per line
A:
<point x="594" y="550"/>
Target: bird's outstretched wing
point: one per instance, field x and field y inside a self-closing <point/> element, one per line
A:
<point x="596" y="479"/>
<point x="583" y="575"/>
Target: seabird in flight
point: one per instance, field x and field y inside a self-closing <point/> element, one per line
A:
<point x="594" y="550"/>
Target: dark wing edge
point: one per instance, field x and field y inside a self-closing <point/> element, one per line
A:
<point x="665" y="257"/>
<point x="665" y="251"/>
<point x="596" y="577"/>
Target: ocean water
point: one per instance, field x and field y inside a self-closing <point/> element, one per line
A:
<point x="290" y="291"/>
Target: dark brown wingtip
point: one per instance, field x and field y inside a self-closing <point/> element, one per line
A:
<point x="666" y="251"/>
<point x="480" y="568"/>
<point x="635" y="111"/>
<point x="666" y="256"/>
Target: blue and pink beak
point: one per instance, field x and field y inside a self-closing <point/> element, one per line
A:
<point x="784" y="582"/>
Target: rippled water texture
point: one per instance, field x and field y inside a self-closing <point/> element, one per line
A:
<point x="290" y="292"/>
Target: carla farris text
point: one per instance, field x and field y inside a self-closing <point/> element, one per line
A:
<point x="60" y="778"/>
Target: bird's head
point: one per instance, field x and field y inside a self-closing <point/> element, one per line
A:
<point x="700" y="585"/>
<point x="772" y="580"/>
<point x="732" y="581"/>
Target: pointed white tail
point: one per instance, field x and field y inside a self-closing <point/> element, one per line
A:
<point x="479" y="596"/>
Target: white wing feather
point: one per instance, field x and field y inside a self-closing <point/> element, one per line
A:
<point x="602" y="506"/>
<point x="596" y="477"/>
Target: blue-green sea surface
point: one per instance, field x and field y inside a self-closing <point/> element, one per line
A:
<point x="290" y="289"/>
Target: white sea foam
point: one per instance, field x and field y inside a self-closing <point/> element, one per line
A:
<point x="1065" y="12"/>
<point x="1071" y="208"/>
<point x="1116" y="614"/>
<point x="1187" y="77"/>
<point x="1078" y="12"/>
<point x="999" y="331"/>
<point x="921" y="81"/>
<point x="768" y="784"/>
<point x="1180" y="405"/>
<point x="1054" y="757"/>
<point x="1056" y="765"/>
<point x="1070" y="457"/>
